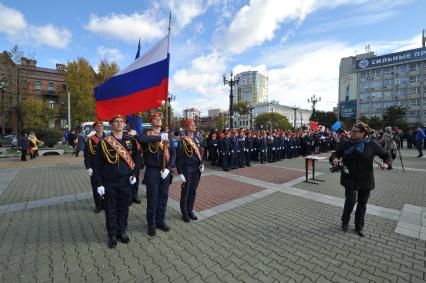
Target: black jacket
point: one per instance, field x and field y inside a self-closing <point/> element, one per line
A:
<point x="360" y="165"/>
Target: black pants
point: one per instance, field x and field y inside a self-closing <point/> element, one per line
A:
<point x="24" y="155"/>
<point x="189" y="189"/>
<point x="351" y="199"/>
<point x="96" y="197"/>
<point x="157" y="194"/>
<point x="419" y="146"/>
<point x="117" y="196"/>
<point x="135" y="188"/>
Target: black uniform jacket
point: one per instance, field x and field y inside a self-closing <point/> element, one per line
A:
<point x="360" y="165"/>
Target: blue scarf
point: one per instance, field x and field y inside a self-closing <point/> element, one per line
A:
<point x="357" y="146"/>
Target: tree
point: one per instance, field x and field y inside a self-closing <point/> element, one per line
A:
<point x="220" y="122"/>
<point x="271" y="121"/>
<point x="105" y="71"/>
<point x="325" y="118"/>
<point x="394" y="117"/>
<point x="16" y="54"/>
<point x="375" y="123"/>
<point x="241" y="108"/>
<point x="37" y="113"/>
<point x="80" y="78"/>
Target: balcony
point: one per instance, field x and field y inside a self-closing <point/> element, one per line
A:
<point x="51" y="93"/>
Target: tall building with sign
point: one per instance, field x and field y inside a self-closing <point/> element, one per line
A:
<point x="252" y="88"/>
<point x="369" y="84"/>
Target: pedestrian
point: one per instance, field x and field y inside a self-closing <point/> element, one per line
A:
<point x="189" y="164"/>
<point x="387" y="142"/>
<point x="226" y="152"/>
<point x="157" y="178"/>
<point x="24" y="145"/>
<point x="81" y="142"/>
<point x="89" y="160"/>
<point x="116" y="164"/>
<point x="357" y="176"/>
<point x="34" y="142"/>
<point x="420" y="136"/>
<point x="73" y="140"/>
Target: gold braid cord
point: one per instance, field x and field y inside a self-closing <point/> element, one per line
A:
<point x="189" y="151"/>
<point x="112" y="159"/>
<point x="92" y="151"/>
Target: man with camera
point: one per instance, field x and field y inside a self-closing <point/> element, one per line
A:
<point x="355" y="159"/>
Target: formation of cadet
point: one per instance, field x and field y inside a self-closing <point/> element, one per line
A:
<point x="237" y="148"/>
<point x="114" y="163"/>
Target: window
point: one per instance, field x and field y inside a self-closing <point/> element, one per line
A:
<point x="364" y="95"/>
<point x="365" y="75"/>
<point x="63" y="87"/>
<point x="37" y="85"/>
<point x="64" y="123"/>
<point x="401" y="92"/>
<point x="51" y="123"/>
<point x="364" y="106"/>
<point x="376" y="73"/>
<point x="402" y="80"/>
<point x="401" y="69"/>
<point x="387" y="93"/>
<point x="51" y="104"/>
<point x="387" y="71"/>
<point x="413" y="114"/>
<point x="376" y="84"/>
<point x="376" y="106"/>
<point x="51" y="86"/>
<point x="24" y="84"/>
<point x="414" y="79"/>
<point x="414" y="66"/>
<point x="414" y="102"/>
<point x="365" y="85"/>
<point x="414" y="90"/>
<point x="388" y="83"/>
<point x="376" y="94"/>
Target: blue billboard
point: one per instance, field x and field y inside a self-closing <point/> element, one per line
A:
<point x="393" y="58"/>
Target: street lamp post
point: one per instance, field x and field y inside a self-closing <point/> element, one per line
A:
<point x="169" y="115"/>
<point x="314" y="100"/>
<point x="3" y="86"/>
<point x="294" y="121"/>
<point x="251" y="116"/>
<point x="231" y="82"/>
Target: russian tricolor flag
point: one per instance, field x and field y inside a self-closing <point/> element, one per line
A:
<point x="141" y="86"/>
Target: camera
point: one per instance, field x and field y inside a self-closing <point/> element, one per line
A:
<point x="338" y="168"/>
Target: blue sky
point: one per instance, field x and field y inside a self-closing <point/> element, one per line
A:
<point x="297" y="44"/>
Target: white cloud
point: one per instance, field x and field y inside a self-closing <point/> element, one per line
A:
<point x="11" y="20"/>
<point x="128" y="27"/>
<point x="203" y="77"/>
<point x="110" y="54"/>
<point x="13" y="23"/>
<point x="185" y="11"/>
<point x="50" y="35"/>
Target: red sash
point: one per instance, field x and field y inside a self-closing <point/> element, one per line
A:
<point x="193" y="145"/>
<point x="95" y="139"/>
<point x="121" y="150"/>
<point x="165" y="149"/>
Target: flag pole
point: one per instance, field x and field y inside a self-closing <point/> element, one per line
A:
<point x="166" y="125"/>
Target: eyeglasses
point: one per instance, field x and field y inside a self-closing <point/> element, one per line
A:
<point x="355" y="131"/>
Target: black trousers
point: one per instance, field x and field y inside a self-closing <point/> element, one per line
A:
<point x="135" y="188"/>
<point x="350" y="200"/>
<point x="157" y="194"/>
<point x="419" y="146"/>
<point x="96" y="196"/>
<point x="117" y="199"/>
<point x="189" y="189"/>
<point x="24" y="155"/>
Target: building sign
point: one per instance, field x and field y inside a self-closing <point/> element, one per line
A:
<point x="348" y="87"/>
<point x="393" y="58"/>
<point x="347" y="109"/>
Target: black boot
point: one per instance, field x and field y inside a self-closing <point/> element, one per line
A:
<point x="124" y="238"/>
<point x="345" y="227"/>
<point x="360" y="232"/>
<point x="112" y="243"/>
<point x="193" y="216"/>
<point x="185" y="218"/>
<point x="164" y="227"/>
<point x="151" y="231"/>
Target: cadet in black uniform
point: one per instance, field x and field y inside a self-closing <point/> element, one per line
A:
<point x="213" y="149"/>
<point x="116" y="164"/>
<point x="242" y="149"/>
<point x="89" y="160"/>
<point x="189" y="164"/>
<point x="263" y="148"/>
<point x="248" y="148"/>
<point x="226" y="152"/>
<point x="157" y="180"/>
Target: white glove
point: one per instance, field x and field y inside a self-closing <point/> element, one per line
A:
<point x="101" y="190"/>
<point x="202" y="168"/>
<point x="164" y="136"/>
<point x="90" y="171"/>
<point x="132" y="180"/>
<point x="133" y="133"/>
<point x="182" y="178"/>
<point x="164" y="173"/>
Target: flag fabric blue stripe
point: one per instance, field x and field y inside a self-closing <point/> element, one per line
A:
<point x="134" y="81"/>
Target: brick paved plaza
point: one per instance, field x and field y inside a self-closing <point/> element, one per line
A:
<point x="257" y="224"/>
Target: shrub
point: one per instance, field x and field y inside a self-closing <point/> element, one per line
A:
<point x="50" y="137"/>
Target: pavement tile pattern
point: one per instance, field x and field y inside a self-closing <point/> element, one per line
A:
<point x="270" y="174"/>
<point x="215" y="190"/>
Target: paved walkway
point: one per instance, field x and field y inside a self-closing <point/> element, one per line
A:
<point x="260" y="229"/>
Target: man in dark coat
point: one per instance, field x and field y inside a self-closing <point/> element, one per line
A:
<point x="357" y="176"/>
